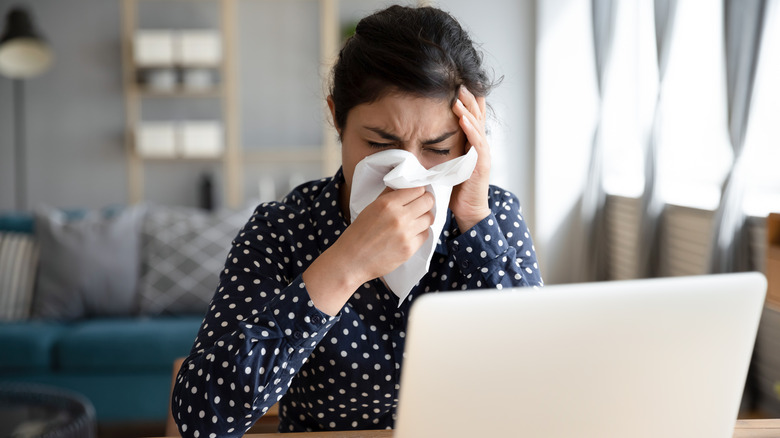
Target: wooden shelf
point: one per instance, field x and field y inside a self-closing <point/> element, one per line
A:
<point x="179" y="66"/>
<point x="223" y="90"/>
<point x="181" y="158"/>
<point x="215" y="93"/>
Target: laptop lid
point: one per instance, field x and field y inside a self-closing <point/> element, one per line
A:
<point x="642" y="358"/>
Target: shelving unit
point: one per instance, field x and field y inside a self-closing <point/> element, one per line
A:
<point x="222" y="90"/>
<point x="257" y="149"/>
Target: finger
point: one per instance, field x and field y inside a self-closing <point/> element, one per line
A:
<point x="422" y="223"/>
<point x="416" y="241"/>
<point x="402" y="196"/>
<point x="482" y="104"/>
<point x="474" y="135"/>
<point x="460" y="110"/>
<point x="421" y="205"/>
<point x="470" y="102"/>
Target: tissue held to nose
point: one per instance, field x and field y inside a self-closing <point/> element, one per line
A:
<point x="399" y="169"/>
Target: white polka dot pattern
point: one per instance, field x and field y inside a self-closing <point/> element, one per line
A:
<point x="263" y="340"/>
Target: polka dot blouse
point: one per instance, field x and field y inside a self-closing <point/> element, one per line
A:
<point x="263" y="341"/>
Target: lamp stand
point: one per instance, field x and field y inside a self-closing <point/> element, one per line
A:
<point x="20" y="170"/>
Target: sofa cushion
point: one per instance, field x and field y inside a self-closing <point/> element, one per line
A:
<point x="183" y="252"/>
<point x="126" y="344"/>
<point x="27" y="346"/>
<point x="18" y="266"/>
<point x="89" y="267"/>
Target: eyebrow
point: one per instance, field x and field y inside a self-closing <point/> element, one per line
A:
<point x="388" y="136"/>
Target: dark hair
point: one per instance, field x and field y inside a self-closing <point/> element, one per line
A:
<point x="422" y="51"/>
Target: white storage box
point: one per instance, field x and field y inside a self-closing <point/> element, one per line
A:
<point x="201" y="139"/>
<point x="199" y="47"/>
<point x="156" y="139"/>
<point x="154" y="48"/>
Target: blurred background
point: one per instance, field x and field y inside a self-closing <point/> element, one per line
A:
<point x="641" y="136"/>
<point x="107" y="123"/>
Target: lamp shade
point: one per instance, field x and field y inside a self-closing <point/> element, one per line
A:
<point x="23" y="51"/>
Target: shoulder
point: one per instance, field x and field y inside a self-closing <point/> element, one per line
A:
<point x="299" y="201"/>
<point x="305" y="195"/>
<point x="293" y="210"/>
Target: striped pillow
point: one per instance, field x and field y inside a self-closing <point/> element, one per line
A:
<point x="18" y="265"/>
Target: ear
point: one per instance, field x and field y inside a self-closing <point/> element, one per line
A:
<point x="332" y="107"/>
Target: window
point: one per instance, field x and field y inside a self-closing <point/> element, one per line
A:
<point x="694" y="153"/>
<point x="630" y="89"/>
<point x="762" y="142"/>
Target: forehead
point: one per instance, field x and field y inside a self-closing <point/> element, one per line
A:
<point x="404" y="113"/>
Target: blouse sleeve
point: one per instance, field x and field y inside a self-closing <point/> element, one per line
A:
<point x="260" y="328"/>
<point x="498" y="251"/>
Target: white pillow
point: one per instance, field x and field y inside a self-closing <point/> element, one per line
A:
<point x="88" y="267"/>
<point x="18" y="264"/>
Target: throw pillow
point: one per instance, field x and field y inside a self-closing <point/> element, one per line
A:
<point x="88" y="267"/>
<point x="183" y="252"/>
<point x="18" y="264"/>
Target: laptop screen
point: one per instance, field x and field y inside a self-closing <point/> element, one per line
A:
<point x="641" y="358"/>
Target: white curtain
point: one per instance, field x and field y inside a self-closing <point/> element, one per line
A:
<point x="743" y="27"/>
<point x="594" y="257"/>
<point x="652" y="205"/>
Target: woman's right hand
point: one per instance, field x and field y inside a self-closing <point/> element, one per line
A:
<point x="389" y="231"/>
<point x="383" y="236"/>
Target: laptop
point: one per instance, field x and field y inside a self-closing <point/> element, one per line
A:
<point x="641" y="358"/>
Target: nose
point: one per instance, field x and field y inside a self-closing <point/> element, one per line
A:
<point x="417" y="152"/>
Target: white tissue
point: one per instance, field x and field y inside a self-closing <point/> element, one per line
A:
<point x="399" y="169"/>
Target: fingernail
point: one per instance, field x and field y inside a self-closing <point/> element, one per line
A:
<point x="467" y="121"/>
<point x="460" y="104"/>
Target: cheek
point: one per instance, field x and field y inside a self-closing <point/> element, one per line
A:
<point x="351" y="154"/>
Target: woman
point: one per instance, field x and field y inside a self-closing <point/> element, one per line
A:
<point x="301" y="314"/>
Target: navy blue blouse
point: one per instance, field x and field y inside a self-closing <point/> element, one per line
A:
<point x="263" y="341"/>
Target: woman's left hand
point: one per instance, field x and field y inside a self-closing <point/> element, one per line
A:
<point x="469" y="201"/>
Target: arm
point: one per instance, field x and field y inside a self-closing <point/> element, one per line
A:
<point x="494" y="248"/>
<point x="498" y="251"/>
<point x="385" y="234"/>
<point x="266" y="318"/>
<point x="260" y="328"/>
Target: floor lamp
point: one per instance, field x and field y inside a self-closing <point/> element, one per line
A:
<point x="23" y="54"/>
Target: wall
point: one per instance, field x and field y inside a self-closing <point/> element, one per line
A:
<point x="566" y="110"/>
<point x="75" y="113"/>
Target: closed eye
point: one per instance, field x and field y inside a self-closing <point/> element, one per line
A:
<point x="380" y="145"/>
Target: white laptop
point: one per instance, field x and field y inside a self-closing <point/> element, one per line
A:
<point x="642" y="358"/>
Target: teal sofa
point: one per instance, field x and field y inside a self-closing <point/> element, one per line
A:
<point x="122" y="365"/>
<point x="116" y="348"/>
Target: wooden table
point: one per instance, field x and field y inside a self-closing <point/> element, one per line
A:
<point x="757" y="429"/>
<point x="744" y="429"/>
